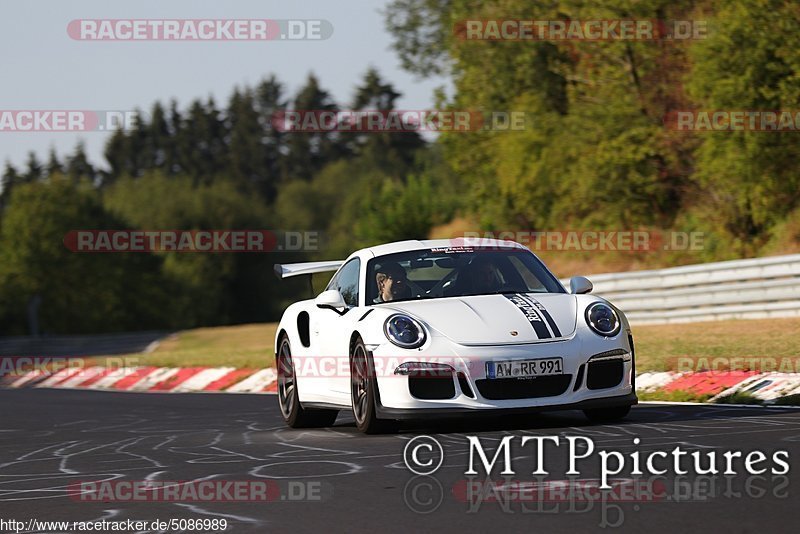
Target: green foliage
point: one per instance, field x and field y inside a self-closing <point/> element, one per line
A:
<point x="207" y="168"/>
<point x="420" y="30"/>
<point x="750" y="62"/>
<point x="220" y="288"/>
<point x="739" y="397"/>
<point x="595" y="152"/>
<point x="79" y="292"/>
<point x="394" y="211"/>
<point x="789" y="400"/>
<point x="592" y="152"/>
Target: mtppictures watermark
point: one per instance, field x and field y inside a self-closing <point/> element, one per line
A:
<point x="425" y="458"/>
<point x="612" y="463"/>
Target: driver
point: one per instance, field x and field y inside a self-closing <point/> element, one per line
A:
<point x="484" y="276"/>
<point x="392" y="282"/>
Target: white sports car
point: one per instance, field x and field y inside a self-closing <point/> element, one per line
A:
<point x="447" y="328"/>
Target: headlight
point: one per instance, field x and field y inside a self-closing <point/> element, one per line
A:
<point x="404" y="331"/>
<point x="602" y="319"/>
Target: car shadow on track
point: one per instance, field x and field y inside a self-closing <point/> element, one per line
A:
<point x="641" y="414"/>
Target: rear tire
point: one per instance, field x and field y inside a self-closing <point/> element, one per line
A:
<point x="607" y="415"/>
<point x="363" y="392"/>
<point x="293" y="413"/>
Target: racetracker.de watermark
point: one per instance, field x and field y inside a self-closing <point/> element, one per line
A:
<point x="378" y="121"/>
<point x="722" y="120"/>
<point x="503" y="490"/>
<point x="721" y="366"/>
<point x="587" y="240"/>
<point x="68" y="120"/>
<point x="191" y="240"/>
<point x="216" y="490"/>
<point x="128" y="30"/>
<point x="416" y="366"/>
<point x="17" y="365"/>
<point x="580" y="30"/>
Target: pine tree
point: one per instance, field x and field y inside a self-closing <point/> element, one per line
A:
<point x="174" y="127"/>
<point x="78" y="166"/>
<point x="10" y="179"/>
<point x="35" y="170"/>
<point x="308" y="152"/>
<point x="245" y="138"/>
<point x="116" y="155"/>
<point x="158" y="140"/>
<point x="200" y="143"/>
<point x="391" y="152"/>
<point x="269" y="101"/>
<point x="54" y="166"/>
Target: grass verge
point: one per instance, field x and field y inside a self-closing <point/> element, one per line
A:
<point x="247" y="346"/>
<point x="672" y="396"/>
<point x="658" y="348"/>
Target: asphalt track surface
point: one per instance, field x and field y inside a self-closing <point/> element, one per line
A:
<point x="50" y="439"/>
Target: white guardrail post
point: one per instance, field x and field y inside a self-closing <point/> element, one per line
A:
<point x="739" y="289"/>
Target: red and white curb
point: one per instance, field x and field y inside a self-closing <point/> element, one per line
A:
<point x="767" y="387"/>
<point x="151" y="379"/>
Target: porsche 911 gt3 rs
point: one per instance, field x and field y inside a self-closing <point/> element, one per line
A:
<point x="445" y="328"/>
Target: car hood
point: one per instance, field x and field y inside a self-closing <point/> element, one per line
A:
<point x="496" y="319"/>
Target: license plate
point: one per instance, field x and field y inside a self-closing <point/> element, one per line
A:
<point x="524" y="368"/>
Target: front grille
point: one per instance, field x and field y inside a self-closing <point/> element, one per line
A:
<point x="604" y="374"/>
<point x="523" y="388"/>
<point x="428" y="387"/>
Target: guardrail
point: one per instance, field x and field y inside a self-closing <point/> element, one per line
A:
<point x="88" y="345"/>
<point x="739" y="289"/>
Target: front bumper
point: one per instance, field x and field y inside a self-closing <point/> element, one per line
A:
<point x="570" y="391"/>
<point x="434" y="413"/>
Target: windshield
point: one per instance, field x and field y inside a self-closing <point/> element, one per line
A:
<point x="458" y="272"/>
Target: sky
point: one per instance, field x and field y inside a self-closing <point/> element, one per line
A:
<point x="44" y="69"/>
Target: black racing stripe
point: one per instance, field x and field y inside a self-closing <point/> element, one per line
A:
<point x="546" y="314"/>
<point x="531" y="314"/>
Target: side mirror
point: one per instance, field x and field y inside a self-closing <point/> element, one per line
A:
<point x="579" y="285"/>
<point x="330" y="299"/>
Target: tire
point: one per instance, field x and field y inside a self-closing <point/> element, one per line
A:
<point x="293" y="413"/>
<point x="607" y="415"/>
<point x="363" y="392"/>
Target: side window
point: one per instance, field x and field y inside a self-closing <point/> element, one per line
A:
<point x="346" y="281"/>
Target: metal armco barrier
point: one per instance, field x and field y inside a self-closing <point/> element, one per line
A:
<point x="739" y="289"/>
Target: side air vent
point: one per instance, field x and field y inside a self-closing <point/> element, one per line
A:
<point x="579" y="379"/>
<point x="303" y="329"/>
<point x="463" y="383"/>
